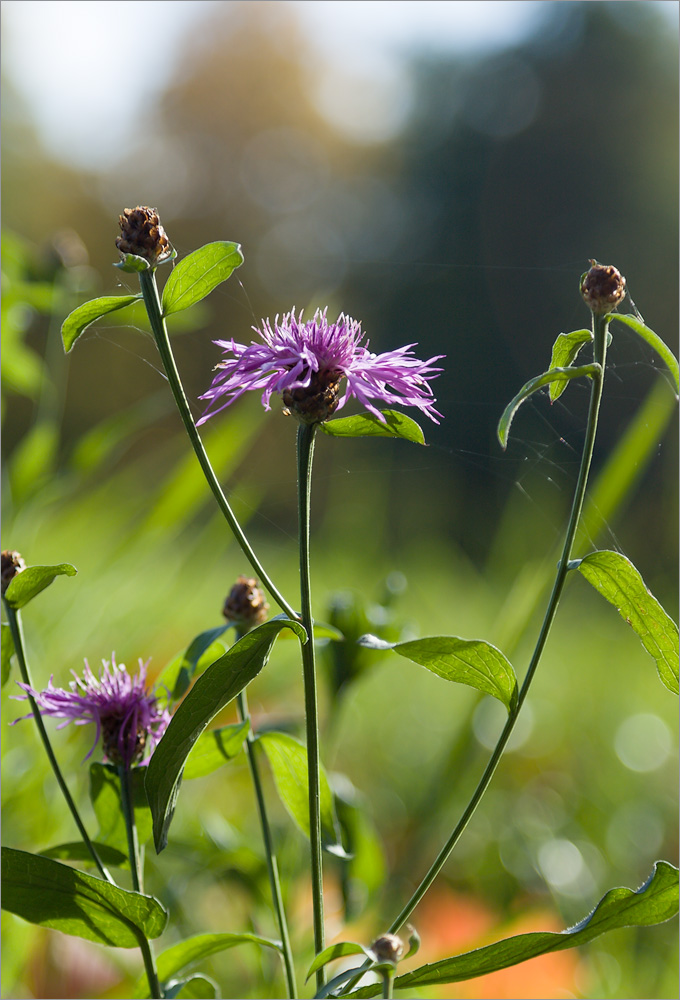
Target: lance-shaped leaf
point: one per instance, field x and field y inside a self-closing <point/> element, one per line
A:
<point x="196" y="276"/>
<point x="82" y="317"/>
<point x="214" y="689"/>
<point x="396" y="425"/>
<point x="467" y="661"/>
<point x="53" y="895"/>
<point x="655" y="901"/>
<point x="288" y="761"/>
<point x="77" y="851"/>
<point x="7" y="652"/>
<point x="176" y="960"/>
<point x="339" y="950"/>
<point x="565" y="349"/>
<point x="177" y="676"/>
<point x="106" y="800"/>
<point x="215" y="748"/>
<point x="619" y="582"/>
<point x="32" y="580"/>
<point x="655" y="341"/>
<point x="562" y="375"/>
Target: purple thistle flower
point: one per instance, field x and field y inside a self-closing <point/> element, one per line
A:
<point x="125" y="713"/>
<point x="305" y="359"/>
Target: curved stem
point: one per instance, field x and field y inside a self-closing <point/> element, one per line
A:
<point x="14" y="620"/>
<point x="137" y="875"/>
<point x="600" y="348"/>
<point x="272" y="866"/>
<point x="147" y="281"/>
<point x="305" y="452"/>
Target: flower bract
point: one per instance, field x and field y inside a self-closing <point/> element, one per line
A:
<point x="312" y="355"/>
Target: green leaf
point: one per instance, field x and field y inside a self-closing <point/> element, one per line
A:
<point x="655" y="341"/>
<point x="466" y="661"/>
<point x="321" y="630"/>
<point x="7" y="653"/>
<point x="108" y="806"/>
<point x="176" y="960"/>
<point x="32" y="580"/>
<point x="554" y="375"/>
<point x="215" y="748"/>
<point x="50" y="894"/>
<point x="396" y="425"/>
<point x="196" y="276"/>
<point x="198" y="987"/>
<point x="288" y="761"/>
<point x="214" y="689"/>
<point x="197" y="657"/>
<point x="76" y="851"/>
<point x="337" y="951"/>
<point x="655" y="901"/>
<point x="82" y="317"/>
<point x="565" y="349"/>
<point x="619" y="582"/>
<point x="132" y="264"/>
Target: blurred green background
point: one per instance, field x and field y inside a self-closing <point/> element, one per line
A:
<point x="447" y="195"/>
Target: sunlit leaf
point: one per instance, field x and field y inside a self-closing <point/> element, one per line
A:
<point x="288" y="761"/>
<point x="466" y="661"/>
<point x="554" y="375"/>
<point x="619" y="582"/>
<point x="337" y="951"/>
<point x="177" y="676"/>
<point x="198" y="987"/>
<point x="45" y="892"/>
<point x="32" y="580"/>
<point x="655" y="901"/>
<point x="214" y="689"/>
<point x="196" y="276"/>
<point x="396" y="425"/>
<point x="7" y="653"/>
<point x="565" y="349"/>
<point x="655" y="341"/>
<point x="77" y="851"/>
<point x="131" y="263"/>
<point x="82" y="317"/>
<point x="215" y="748"/>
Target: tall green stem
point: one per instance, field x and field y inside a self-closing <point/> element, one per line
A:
<point x="272" y="866"/>
<point x="137" y="875"/>
<point x="147" y="281"/>
<point x="599" y="348"/>
<point x="305" y="453"/>
<point x="14" y="620"/>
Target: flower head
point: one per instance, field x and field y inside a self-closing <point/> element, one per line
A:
<point x="12" y="563"/>
<point x="142" y="234"/>
<point x="307" y="362"/>
<point x="125" y="713"/>
<point x="603" y="287"/>
<point x="245" y="605"/>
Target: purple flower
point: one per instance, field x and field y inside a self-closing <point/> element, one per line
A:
<point x="308" y="359"/>
<point x="125" y="713"/>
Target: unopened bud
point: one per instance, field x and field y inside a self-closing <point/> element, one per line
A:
<point x="316" y="402"/>
<point x="142" y="234"/>
<point x="603" y="288"/>
<point x="388" y="948"/>
<point x="12" y="563"/>
<point x="245" y="605"/>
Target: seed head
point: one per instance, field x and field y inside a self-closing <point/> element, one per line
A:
<point x="142" y="234"/>
<point x="388" y="948"/>
<point x="602" y="287"/>
<point x="245" y="605"/>
<point x="12" y="563"/>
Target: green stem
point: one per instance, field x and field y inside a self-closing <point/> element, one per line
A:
<point x="14" y="620"/>
<point x="387" y="984"/>
<point x="600" y="348"/>
<point x="305" y="453"/>
<point x="137" y="875"/>
<point x="147" y="281"/>
<point x="272" y="866"/>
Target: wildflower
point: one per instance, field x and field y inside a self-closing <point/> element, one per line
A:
<point x="125" y="713"/>
<point x="388" y="948"/>
<point x="142" y="234"/>
<point x="12" y="563"/>
<point x="307" y="361"/>
<point x="245" y="605"/>
<point x="603" y="288"/>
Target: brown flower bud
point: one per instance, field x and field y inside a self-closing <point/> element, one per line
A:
<point x="12" y="563"/>
<point x="316" y="402"/>
<point x="142" y="234"/>
<point x="388" y="948"/>
<point x="602" y="287"/>
<point x="245" y="605"/>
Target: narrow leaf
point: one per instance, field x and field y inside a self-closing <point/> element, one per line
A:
<point x="288" y="761"/>
<point x="466" y="661"/>
<point x="337" y="951"/>
<point x="196" y="276"/>
<point x="214" y="689"/>
<point x="7" y="653"/>
<point x="215" y="748"/>
<point x="82" y="317"/>
<point x="655" y="341"/>
<point x="177" y="676"/>
<point x="619" y="582"/>
<point x="396" y="424"/>
<point x="131" y="263"/>
<point x="554" y="375"/>
<point x="32" y="580"/>
<point x="76" y="851"/>
<point x="655" y="901"/>
<point x="565" y="349"/>
<point x="50" y="894"/>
